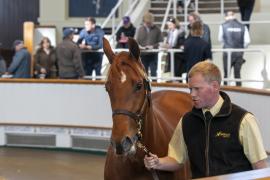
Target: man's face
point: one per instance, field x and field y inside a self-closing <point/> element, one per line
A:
<point x="89" y="25"/>
<point x="203" y="93"/>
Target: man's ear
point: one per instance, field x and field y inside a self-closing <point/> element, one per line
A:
<point x="215" y="85"/>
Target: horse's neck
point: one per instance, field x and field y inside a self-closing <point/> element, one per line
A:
<point x="151" y="129"/>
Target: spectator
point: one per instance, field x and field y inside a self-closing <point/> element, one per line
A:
<point x="233" y="34"/>
<point x="45" y="60"/>
<point x="217" y="136"/>
<point x="176" y="39"/>
<point x="195" y="48"/>
<point x="3" y="66"/>
<point x="206" y="35"/>
<point x="148" y="37"/>
<point x="69" y="57"/>
<point x="180" y="6"/>
<point x="125" y="31"/>
<point x="21" y="61"/>
<point x="246" y="8"/>
<point x="90" y="38"/>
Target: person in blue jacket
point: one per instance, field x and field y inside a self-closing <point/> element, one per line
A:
<point x="90" y="40"/>
<point x="21" y="62"/>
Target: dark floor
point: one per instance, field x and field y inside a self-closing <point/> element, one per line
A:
<point x="40" y="164"/>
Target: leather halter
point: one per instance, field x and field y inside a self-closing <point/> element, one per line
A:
<point x="137" y="116"/>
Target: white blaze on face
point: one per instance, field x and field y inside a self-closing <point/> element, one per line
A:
<point x="123" y="77"/>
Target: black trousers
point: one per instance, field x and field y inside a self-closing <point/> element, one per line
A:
<point x="179" y="64"/>
<point x="92" y="61"/>
<point x="246" y="11"/>
<point x="149" y="60"/>
<point x="236" y="62"/>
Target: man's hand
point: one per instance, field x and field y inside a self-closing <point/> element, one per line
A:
<point x="151" y="162"/>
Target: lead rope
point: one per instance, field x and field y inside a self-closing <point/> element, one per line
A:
<point x="153" y="171"/>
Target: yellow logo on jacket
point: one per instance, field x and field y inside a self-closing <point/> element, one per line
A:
<point x="223" y="134"/>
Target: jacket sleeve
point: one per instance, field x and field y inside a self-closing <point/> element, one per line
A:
<point x="99" y="45"/>
<point x="37" y="62"/>
<point x="77" y="60"/>
<point x="81" y="37"/>
<point x="17" y="59"/>
<point x="208" y="53"/>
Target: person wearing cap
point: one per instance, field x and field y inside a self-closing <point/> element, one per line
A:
<point x="69" y="57"/>
<point x="148" y="36"/>
<point x="125" y="31"/>
<point x="175" y="40"/>
<point x="21" y="61"/>
<point x="90" y="39"/>
<point x="233" y="34"/>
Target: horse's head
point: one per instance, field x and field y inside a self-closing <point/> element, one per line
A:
<point x="129" y="91"/>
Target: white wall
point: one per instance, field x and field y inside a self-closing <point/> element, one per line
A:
<point x="88" y="105"/>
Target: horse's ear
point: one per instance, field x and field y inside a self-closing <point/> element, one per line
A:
<point x="108" y="50"/>
<point x="133" y="48"/>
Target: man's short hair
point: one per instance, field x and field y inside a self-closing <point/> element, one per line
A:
<point x="91" y="19"/>
<point x="207" y="69"/>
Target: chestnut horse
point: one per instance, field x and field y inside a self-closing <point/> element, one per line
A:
<point x="139" y="117"/>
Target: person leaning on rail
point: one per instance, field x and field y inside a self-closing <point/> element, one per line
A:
<point x="216" y="136"/>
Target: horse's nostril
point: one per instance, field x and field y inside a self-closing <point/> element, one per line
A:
<point x="119" y="149"/>
<point x="126" y="143"/>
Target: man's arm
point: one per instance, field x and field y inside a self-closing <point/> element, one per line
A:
<point x="260" y="164"/>
<point x="15" y="62"/>
<point x="251" y="139"/>
<point x="165" y="163"/>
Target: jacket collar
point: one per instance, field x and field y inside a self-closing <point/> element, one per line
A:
<point x="225" y="110"/>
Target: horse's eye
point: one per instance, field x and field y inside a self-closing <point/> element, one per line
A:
<point x="138" y="86"/>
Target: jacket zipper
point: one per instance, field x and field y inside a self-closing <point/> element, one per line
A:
<point x="207" y="128"/>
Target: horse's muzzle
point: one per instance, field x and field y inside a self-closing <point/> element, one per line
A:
<point x="126" y="146"/>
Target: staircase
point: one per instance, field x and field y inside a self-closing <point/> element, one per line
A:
<point x="158" y="8"/>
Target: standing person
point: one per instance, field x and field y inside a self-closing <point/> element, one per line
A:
<point x="175" y="40"/>
<point x="148" y="37"/>
<point x="90" y="38"/>
<point x="233" y="34"/>
<point x="195" y="48"/>
<point x="246" y="8"/>
<point x="69" y="57"/>
<point x="20" y="66"/>
<point x="125" y="31"/>
<point x="206" y="35"/>
<point x="45" y="60"/>
<point x="232" y="144"/>
<point x="3" y="66"/>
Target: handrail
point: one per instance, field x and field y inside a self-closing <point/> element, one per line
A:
<point x="166" y="15"/>
<point x="172" y="51"/>
<point x="186" y="4"/>
<point x="112" y="13"/>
